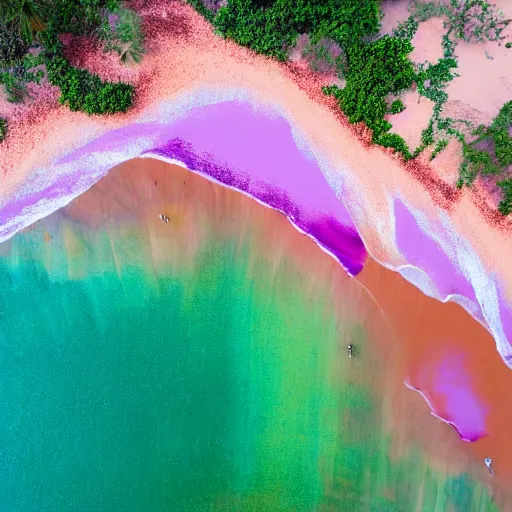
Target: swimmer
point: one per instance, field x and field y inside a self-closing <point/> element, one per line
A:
<point x="164" y="218"/>
<point x="350" y="350"/>
<point x="488" y="463"/>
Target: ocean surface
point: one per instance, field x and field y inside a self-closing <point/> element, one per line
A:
<point x="186" y="367"/>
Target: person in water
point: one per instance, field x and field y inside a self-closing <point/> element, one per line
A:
<point x="350" y="350"/>
<point x="488" y="463"/>
<point x="164" y="218"/>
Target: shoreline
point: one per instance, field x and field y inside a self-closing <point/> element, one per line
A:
<point x="368" y="181"/>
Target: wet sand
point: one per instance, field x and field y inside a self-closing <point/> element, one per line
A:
<point x="411" y="332"/>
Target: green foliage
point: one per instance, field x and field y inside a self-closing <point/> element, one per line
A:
<point x="427" y="135"/>
<point x="433" y="79"/>
<point x="424" y="11"/>
<point x="86" y="92"/>
<point x="125" y="36"/>
<point x="475" y="21"/>
<point x="271" y="28"/>
<point x="375" y="70"/>
<point x="15" y="79"/>
<point x="393" y="140"/>
<point x="406" y="29"/>
<point x="397" y="106"/>
<point x="80" y="90"/>
<point x="79" y="17"/>
<point x="494" y="160"/>
<point x="3" y="128"/>
<point x="199" y="6"/>
<point x="441" y="144"/>
<point x="12" y="46"/>
<point x="505" y="206"/>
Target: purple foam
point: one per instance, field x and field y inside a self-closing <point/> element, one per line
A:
<point x="253" y="152"/>
<point x="341" y="241"/>
<point x="448" y="384"/>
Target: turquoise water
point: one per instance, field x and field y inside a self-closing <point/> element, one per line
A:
<point x="216" y="385"/>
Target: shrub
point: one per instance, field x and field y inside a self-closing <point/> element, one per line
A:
<point x="505" y="205"/>
<point x="12" y="46"/>
<point x="3" y="128"/>
<point x="397" y="106"/>
<point x="393" y="140"/>
<point x="374" y="71"/>
<point x="86" y="92"/>
<point x="433" y="79"/>
<point x="406" y="29"/>
<point x="271" y="27"/>
<point x="424" y="11"/>
<point x="427" y="135"/>
<point x="78" y="18"/>
<point x="323" y="56"/>
<point x="203" y="10"/>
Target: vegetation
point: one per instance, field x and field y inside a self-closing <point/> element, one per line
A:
<point x="490" y="152"/>
<point x="375" y="70"/>
<point x="325" y="56"/>
<point x="121" y="32"/>
<point x="30" y="48"/>
<point x="475" y="21"/>
<point x="3" y="128"/>
<point x="505" y="206"/>
<point x="272" y="26"/>
<point x="396" y="107"/>
<point x="469" y="20"/>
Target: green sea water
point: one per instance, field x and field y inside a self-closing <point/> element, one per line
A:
<point x="218" y="385"/>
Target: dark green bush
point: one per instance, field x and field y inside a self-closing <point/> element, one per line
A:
<point x="199" y="6"/>
<point x="274" y="26"/>
<point x="505" y="206"/>
<point x="427" y="135"/>
<point x="125" y="36"/>
<point x="374" y="71"/>
<point x="78" y="17"/>
<point x="12" y="46"/>
<point x="397" y="106"/>
<point x="406" y="29"/>
<point x="393" y="140"/>
<point x="433" y="79"/>
<point x="3" y="128"/>
<point x="86" y="92"/>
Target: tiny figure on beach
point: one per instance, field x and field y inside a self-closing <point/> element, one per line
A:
<point x="488" y="463"/>
<point x="164" y="218"/>
<point x="350" y="350"/>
